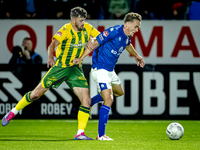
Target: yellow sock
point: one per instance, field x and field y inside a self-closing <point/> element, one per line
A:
<point x="83" y="116"/>
<point x="24" y="101"/>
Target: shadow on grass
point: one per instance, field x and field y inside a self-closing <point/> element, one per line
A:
<point x="45" y="140"/>
<point x="33" y="138"/>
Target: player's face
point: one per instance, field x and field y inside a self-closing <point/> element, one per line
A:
<point x="133" y="27"/>
<point x="28" y="45"/>
<point x="79" y="23"/>
<point x="23" y="43"/>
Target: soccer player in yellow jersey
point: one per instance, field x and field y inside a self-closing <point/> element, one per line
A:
<point x="70" y="41"/>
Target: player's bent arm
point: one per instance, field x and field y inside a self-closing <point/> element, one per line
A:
<point x="138" y="58"/>
<point x="91" y="45"/>
<point x="131" y="50"/>
<point x="51" y="48"/>
<point x="85" y="53"/>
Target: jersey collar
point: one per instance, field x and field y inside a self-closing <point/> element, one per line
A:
<point x="122" y="31"/>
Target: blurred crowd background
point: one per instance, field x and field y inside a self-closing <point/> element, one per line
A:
<point x="101" y="9"/>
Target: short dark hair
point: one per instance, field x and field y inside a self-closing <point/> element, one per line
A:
<point x="27" y="38"/>
<point x="131" y="16"/>
<point x="76" y="11"/>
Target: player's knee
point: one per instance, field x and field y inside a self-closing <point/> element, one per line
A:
<point x="89" y="101"/>
<point x="86" y="102"/>
<point x="120" y="93"/>
<point x="110" y="100"/>
<point x="34" y="96"/>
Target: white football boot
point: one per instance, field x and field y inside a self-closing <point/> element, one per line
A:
<point x="104" y="138"/>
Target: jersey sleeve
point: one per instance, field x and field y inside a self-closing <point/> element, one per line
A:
<point x="60" y="34"/>
<point x="94" y="32"/>
<point x="106" y="35"/>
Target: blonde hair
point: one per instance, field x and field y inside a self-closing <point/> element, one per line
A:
<point x="131" y="16"/>
<point x="76" y="11"/>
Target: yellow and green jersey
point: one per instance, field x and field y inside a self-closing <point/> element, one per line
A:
<point x="72" y="43"/>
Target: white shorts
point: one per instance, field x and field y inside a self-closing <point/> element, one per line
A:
<point x="104" y="79"/>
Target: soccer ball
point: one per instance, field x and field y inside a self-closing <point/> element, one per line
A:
<point x="175" y="131"/>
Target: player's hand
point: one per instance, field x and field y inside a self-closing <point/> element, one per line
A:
<point x="50" y="62"/>
<point x="77" y="61"/>
<point x="140" y="61"/>
<point x="27" y="54"/>
<point x="92" y="44"/>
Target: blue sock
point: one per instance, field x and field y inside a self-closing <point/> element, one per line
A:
<point x="103" y="118"/>
<point x="97" y="98"/>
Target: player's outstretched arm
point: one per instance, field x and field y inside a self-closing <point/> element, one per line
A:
<point x="91" y="45"/>
<point x="51" y="48"/>
<point x="138" y="58"/>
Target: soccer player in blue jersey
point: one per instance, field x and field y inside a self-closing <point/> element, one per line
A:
<point x="109" y="46"/>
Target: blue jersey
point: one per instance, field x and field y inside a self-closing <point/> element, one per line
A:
<point x="112" y="43"/>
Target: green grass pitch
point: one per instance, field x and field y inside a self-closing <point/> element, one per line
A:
<point x="127" y="134"/>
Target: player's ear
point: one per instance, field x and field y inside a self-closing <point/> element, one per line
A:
<point x="125" y="25"/>
<point x="73" y="20"/>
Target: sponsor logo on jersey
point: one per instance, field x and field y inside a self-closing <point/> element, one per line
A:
<point x="101" y="37"/>
<point x="78" y="45"/>
<point x="59" y="33"/>
<point x="105" y="33"/>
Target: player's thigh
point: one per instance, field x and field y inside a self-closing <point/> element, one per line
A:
<point x="78" y="83"/>
<point x="76" y="78"/>
<point x="116" y="84"/>
<point x="83" y="95"/>
<point x="55" y="77"/>
<point x="102" y="79"/>
<point x="117" y="90"/>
